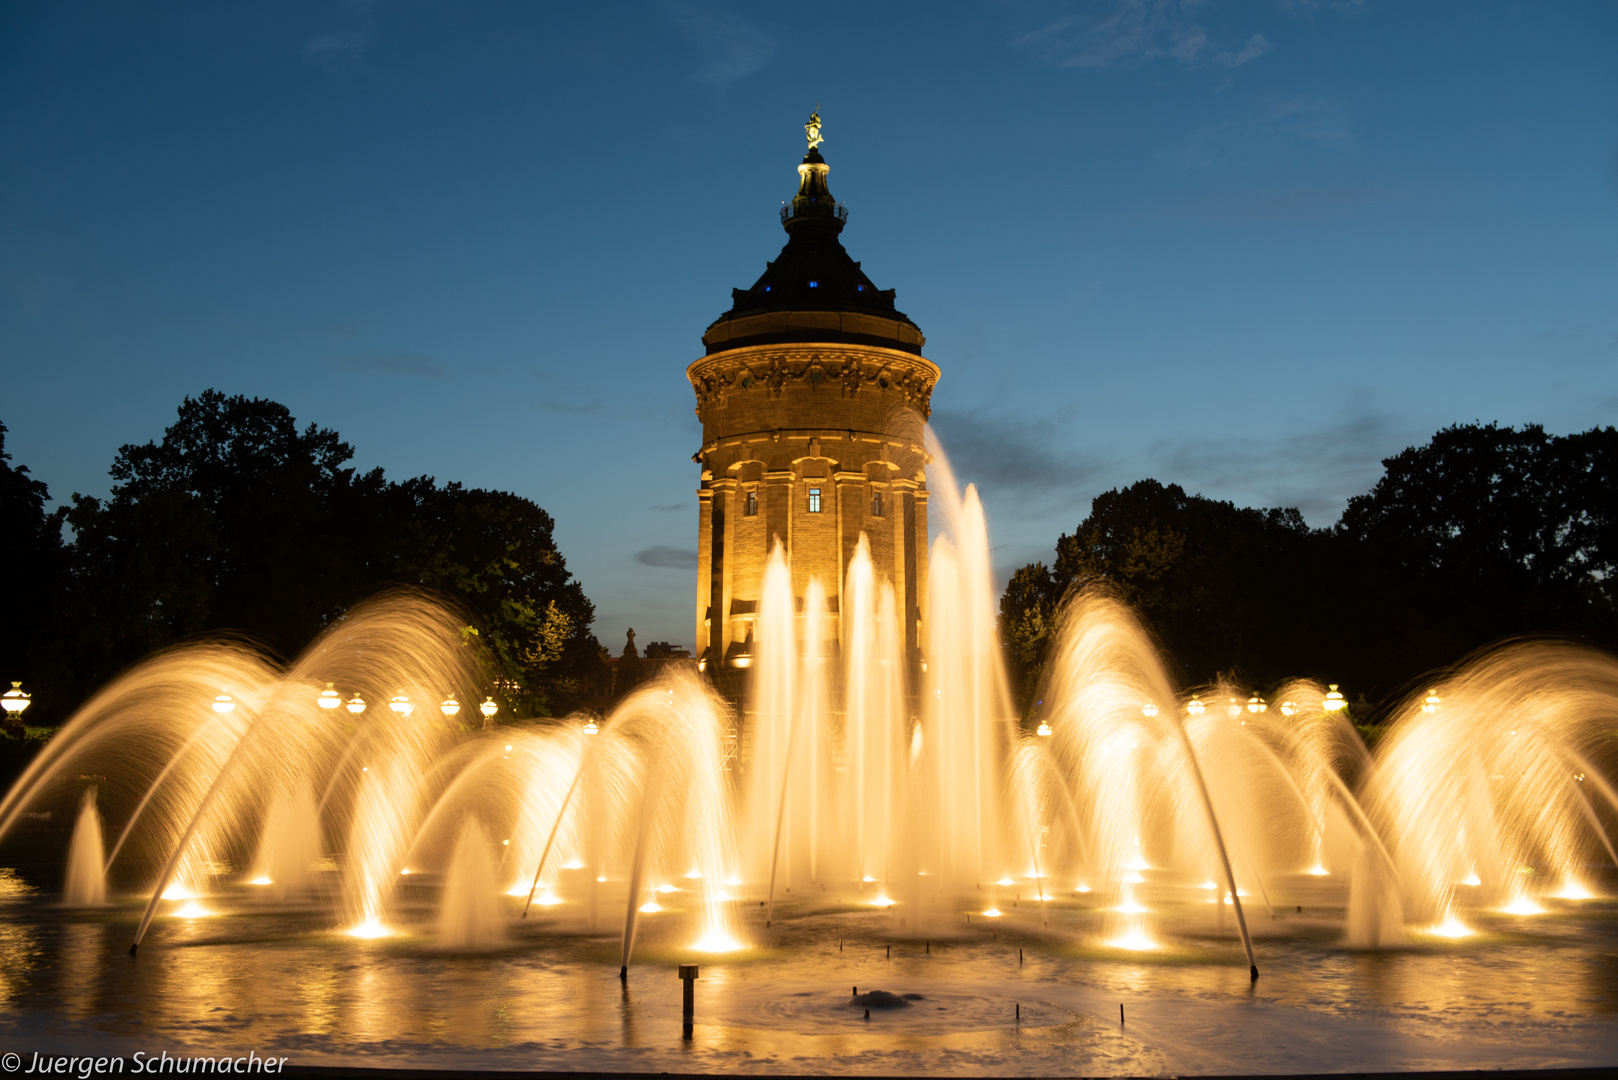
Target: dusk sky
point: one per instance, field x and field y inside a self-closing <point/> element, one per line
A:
<point x="1248" y="248"/>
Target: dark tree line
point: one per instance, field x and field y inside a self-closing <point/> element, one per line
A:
<point x="1483" y="534"/>
<point x="239" y="521"/>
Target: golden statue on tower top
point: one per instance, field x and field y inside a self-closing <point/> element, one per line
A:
<point x="812" y="130"/>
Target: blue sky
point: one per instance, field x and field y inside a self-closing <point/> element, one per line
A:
<point x="1248" y="248"/>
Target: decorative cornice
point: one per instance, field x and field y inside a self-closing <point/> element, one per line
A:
<point x="771" y="369"/>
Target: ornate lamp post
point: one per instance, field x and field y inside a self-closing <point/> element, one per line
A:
<point x="488" y="709"/>
<point x="329" y="698"/>
<point x="223" y="703"/>
<point x="14" y="701"/>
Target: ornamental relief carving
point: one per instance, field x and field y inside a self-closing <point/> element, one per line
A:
<point x="772" y="374"/>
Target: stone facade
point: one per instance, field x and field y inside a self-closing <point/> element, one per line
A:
<point x="813" y="396"/>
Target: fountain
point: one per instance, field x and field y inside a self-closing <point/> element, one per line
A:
<point x="1143" y="843"/>
<point x="86" y="885"/>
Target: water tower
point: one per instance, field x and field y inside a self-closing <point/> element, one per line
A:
<point x="813" y="394"/>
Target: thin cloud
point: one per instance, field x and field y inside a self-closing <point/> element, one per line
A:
<point x="1294" y="205"/>
<point x="391" y="363"/>
<point x="1256" y="46"/>
<point x="1317" y="471"/>
<point x="344" y="48"/>
<point x="667" y="558"/>
<point x="1014" y="457"/>
<point x="664" y="508"/>
<point x="1128" y="33"/>
<point x="729" y="46"/>
<point x="1265" y="134"/>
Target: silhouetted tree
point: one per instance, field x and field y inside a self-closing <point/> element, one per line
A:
<point x="238" y="520"/>
<point x="30" y="551"/>
<point x="1485" y="532"/>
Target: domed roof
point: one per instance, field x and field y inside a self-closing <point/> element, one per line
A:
<point x="813" y="291"/>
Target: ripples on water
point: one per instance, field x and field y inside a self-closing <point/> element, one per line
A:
<point x="1526" y="991"/>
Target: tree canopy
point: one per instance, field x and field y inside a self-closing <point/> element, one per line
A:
<point x="238" y="520"/>
<point x="1486" y="532"/>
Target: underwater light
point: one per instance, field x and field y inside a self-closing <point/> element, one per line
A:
<point x="370" y="928"/>
<point x="1130" y="907"/>
<point x="867" y="879"/>
<point x="993" y="913"/>
<point x="651" y="907"/>
<point x="1522" y="905"/>
<point x="1574" y="891"/>
<point x="1136" y="939"/>
<point x="1451" y="928"/>
<point x="1005" y="881"/>
<point x="549" y="899"/>
<point x="192" y="910"/>
<point x="882" y="901"/>
<point x="717" y="941"/>
<point x="1082" y="888"/>
<point x="1472" y="879"/>
<point x="261" y="880"/>
<point x="667" y="889"/>
<point x="573" y="865"/>
<point x="1319" y="871"/>
<point x="178" y="891"/>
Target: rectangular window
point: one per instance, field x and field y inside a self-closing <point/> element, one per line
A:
<point x="876" y="504"/>
<point x="814" y="500"/>
<point x="750" y="508"/>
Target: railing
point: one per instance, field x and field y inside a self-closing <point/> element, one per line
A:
<point x="789" y="212"/>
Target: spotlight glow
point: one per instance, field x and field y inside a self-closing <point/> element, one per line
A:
<point x="867" y="879"/>
<point x="549" y="899"/>
<point x="370" y="928"/>
<point x="1473" y="880"/>
<point x="1130" y="907"/>
<point x="993" y="913"/>
<point x="882" y="901"/>
<point x="1318" y="871"/>
<point x="1574" y="891"/>
<point x="1451" y="927"/>
<point x="178" y="892"/>
<point x="574" y="865"/>
<point x="1136" y="940"/>
<point x="192" y="910"/>
<point x="1522" y="905"/>
<point x="717" y="941"/>
<point x="667" y="889"/>
<point x="261" y="880"/>
<point x="1082" y="888"/>
<point x="651" y="907"/>
<point x="1005" y="881"/>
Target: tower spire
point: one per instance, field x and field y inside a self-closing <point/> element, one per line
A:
<point x="813" y="205"/>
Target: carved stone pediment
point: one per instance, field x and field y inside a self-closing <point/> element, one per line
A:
<point x="772" y="369"/>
